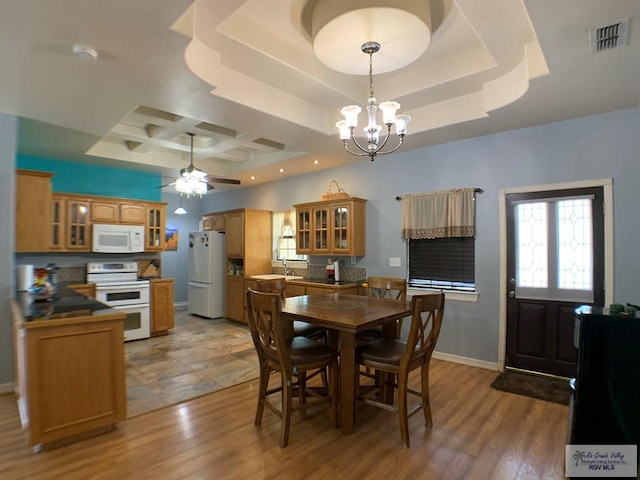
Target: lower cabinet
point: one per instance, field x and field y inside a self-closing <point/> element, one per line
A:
<point x="162" y="314"/>
<point x="86" y="289"/>
<point x="70" y="376"/>
<point x="306" y="288"/>
<point x="235" y="298"/>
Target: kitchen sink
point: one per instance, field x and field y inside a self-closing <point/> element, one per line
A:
<point x="273" y="276"/>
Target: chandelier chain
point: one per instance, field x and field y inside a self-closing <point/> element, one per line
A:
<point x="371" y="75"/>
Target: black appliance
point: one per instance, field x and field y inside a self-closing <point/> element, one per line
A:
<point x="605" y="405"/>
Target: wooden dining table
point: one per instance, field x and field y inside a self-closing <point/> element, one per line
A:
<point x="346" y="315"/>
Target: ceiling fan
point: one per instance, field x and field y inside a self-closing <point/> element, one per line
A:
<point x="192" y="180"/>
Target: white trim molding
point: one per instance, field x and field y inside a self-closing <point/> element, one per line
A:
<point x="457" y="296"/>
<point x="472" y="362"/>
<point x="607" y="186"/>
<point x="7" y="388"/>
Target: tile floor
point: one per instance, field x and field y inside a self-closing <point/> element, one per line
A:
<point x="199" y="356"/>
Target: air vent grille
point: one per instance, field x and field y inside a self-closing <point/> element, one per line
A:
<point x="607" y="37"/>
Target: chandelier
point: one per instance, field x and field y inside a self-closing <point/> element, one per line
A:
<point x="192" y="181"/>
<point x="372" y="130"/>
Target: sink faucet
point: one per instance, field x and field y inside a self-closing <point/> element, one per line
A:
<point x="284" y="264"/>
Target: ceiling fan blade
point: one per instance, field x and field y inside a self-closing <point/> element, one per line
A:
<point x="229" y="181"/>
<point x="166" y="185"/>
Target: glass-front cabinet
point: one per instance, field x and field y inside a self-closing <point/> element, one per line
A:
<point x="333" y="227"/>
<point x="341" y="216"/>
<point x="78" y="229"/>
<point x="155" y="223"/>
<point x="303" y="228"/>
<point x="321" y="226"/>
<point x="57" y="223"/>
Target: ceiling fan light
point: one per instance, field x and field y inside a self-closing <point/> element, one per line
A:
<point x="180" y="211"/>
<point x="191" y="186"/>
<point x="198" y="174"/>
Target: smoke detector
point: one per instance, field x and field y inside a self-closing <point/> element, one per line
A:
<point x="607" y="37"/>
<point x="85" y="53"/>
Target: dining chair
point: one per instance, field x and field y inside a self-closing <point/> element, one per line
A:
<point x="393" y="356"/>
<point x="383" y="287"/>
<point x="300" y="328"/>
<point x="292" y="357"/>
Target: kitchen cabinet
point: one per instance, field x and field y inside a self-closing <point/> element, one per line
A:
<point x="33" y="210"/>
<point x="295" y="288"/>
<point x="55" y="221"/>
<point x="77" y="233"/>
<point x="105" y="211"/>
<point x="69" y="373"/>
<point x="57" y="225"/>
<point x="155" y="228"/>
<point x="162" y="313"/>
<point x="214" y="222"/>
<point x="248" y="252"/>
<point x="331" y="227"/>
<point x="86" y="289"/>
<point x="234" y="223"/>
<point x="235" y="298"/>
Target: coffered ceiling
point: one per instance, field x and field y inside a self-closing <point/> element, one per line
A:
<point x="243" y="76"/>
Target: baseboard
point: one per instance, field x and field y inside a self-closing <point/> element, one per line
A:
<point x="180" y="305"/>
<point x="472" y="362"/>
<point x="7" y="388"/>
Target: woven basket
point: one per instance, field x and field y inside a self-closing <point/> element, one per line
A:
<point x="331" y="195"/>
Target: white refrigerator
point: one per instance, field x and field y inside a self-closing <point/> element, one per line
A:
<point x="206" y="274"/>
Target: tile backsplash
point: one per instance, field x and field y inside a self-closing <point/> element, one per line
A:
<point x="319" y="272"/>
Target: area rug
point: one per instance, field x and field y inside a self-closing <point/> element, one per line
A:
<point x="535" y="386"/>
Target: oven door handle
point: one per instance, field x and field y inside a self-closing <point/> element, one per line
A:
<point x="121" y="287"/>
<point x="134" y="306"/>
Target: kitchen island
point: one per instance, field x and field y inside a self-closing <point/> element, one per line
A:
<point x="69" y="367"/>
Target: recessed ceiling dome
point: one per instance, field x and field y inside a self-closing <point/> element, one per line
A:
<point x="339" y="28"/>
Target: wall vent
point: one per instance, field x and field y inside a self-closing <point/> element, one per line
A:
<point x="607" y="37"/>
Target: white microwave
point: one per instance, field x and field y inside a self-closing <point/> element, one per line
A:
<point x="117" y="238"/>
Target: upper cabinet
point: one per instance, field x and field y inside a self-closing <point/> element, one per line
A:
<point x="154" y="228"/>
<point x="77" y="224"/>
<point x="57" y="223"/>
<point x="248" y="240"/>
<point x="331" y="227"/>
<point x="215" y="222"/>
<point x="235" y="234"/>
<point x="117" y="212"/>
<point x="49" y="221"/>
<point x="33" y="210"/>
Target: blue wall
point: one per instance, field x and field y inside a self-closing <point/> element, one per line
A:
<point x="74" y="177"/>
<point x="602" y="146"/>
<point x="8" y="131"/>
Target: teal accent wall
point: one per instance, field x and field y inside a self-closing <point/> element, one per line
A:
<point x="73" y="177"/>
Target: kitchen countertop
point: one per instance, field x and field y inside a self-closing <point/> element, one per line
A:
<point x="65" y="304"/>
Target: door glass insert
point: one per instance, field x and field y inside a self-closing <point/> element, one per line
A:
<point x="554" y="249"/>
<point x="531" y="258"/>
<point x="575" y="242"/>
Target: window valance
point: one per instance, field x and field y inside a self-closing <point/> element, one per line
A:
<point x="449" y="213"/>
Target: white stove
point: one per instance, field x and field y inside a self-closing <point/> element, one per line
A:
<point x="118" y="287"/>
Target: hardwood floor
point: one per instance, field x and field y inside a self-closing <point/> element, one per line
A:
<point x="478" y="433"/>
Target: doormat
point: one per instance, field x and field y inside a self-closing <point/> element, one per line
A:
<point x="535" y="386"/>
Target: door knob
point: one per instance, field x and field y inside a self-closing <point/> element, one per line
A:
<point x="512" y="294"/>
<point x="512" y="281"/>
